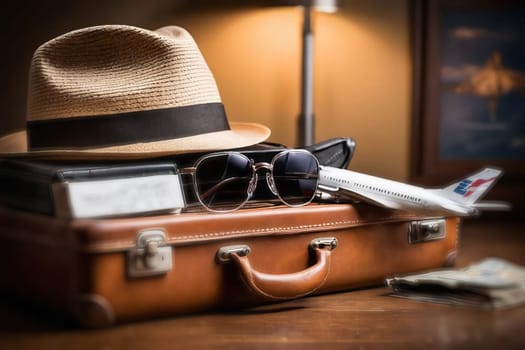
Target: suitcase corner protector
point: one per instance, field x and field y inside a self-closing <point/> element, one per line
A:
<point x="92" y="311"/>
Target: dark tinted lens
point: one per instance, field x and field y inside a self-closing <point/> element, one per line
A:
<point x="295" y="176"/>
<point x="222" y="181"/>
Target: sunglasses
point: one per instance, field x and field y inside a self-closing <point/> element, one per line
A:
<point x="225" y="181"/>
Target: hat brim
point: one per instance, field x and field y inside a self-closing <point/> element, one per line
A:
<point x="240" y="135"/>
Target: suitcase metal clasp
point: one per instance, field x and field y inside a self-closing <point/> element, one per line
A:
<point x="151" y="255"/>
<point x="224" y="253"/>
<point x="324" y="242"/>
<point x="426" y="230"/>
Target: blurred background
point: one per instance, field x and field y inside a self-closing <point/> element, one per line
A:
<point x="361" y="64"/>
<point x="363" y="60"/>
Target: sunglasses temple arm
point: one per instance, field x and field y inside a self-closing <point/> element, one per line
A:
<point x="188" y="170"/>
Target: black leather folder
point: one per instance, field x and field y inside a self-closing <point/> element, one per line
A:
<point x="45" y="186"/>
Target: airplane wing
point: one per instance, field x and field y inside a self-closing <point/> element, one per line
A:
<point x="333" y="182"/>
<point x="355" y="195"/>
<point x="370" y="198"/>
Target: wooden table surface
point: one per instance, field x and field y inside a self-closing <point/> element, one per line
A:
<point x="359" y="319"/>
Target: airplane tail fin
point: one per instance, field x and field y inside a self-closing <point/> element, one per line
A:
<point x="472" y="188"/>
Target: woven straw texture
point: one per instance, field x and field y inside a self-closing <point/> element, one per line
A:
<point x="114" y="69"/>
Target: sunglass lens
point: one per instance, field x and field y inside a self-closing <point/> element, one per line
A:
<point x="295" y="175"/>
<point x="222" y="181"/>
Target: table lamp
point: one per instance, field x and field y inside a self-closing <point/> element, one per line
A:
<point x="306" y="118"/>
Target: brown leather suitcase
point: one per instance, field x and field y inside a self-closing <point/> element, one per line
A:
<point x="107" y="271"/>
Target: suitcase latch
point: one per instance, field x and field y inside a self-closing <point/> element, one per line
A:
<point x="224" y="253"/>
<point x="324" y="243"/>
<point x="151" y="255"/>
<point x="426" y="230"/>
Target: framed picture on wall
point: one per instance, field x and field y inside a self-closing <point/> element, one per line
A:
<point x="469" y="92"/>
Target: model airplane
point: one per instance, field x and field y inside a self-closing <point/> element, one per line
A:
<point x="460" y="198"/>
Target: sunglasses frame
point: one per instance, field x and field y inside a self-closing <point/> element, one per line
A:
<point x="255" y="168"/>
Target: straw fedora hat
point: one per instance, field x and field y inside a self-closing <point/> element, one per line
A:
<point x="118" y="91"/>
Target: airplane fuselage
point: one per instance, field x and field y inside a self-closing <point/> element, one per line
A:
<point x="389" y="193"/>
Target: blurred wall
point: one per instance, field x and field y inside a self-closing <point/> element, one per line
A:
<point x="361" y="65"/>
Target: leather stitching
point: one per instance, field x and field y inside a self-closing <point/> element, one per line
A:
<point x="308" y="228"/>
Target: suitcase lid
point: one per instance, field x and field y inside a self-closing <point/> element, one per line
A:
<point x="120" y="234"/>
<point x="116" y="234"/>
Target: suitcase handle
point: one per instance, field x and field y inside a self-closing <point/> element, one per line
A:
<point x="286" y="286"/>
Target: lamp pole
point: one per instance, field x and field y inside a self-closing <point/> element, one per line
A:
<point x="306" y="125"/>
<point x="306" y="118"/>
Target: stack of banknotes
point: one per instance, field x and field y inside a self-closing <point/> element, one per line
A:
<point x="492" y="283"/>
